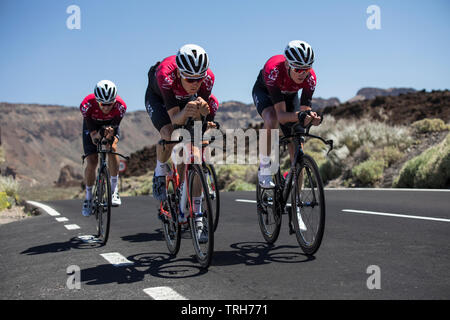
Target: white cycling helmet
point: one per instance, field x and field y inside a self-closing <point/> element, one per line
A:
<point x="299" y="54"/>
<point x="105" y="91"/>
<point x="192" y="60"/>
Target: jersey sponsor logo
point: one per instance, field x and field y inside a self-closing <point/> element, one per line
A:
<point x="208" y="83"/>
<point x="273" y="75"/>
<point x="288" y="92"/>
<point x="85" y="107"/>
<point x="182" y="97"/>
<point x="312" y="83"/>
<point x="121" y="110"/>
<point x="168" y="81"/>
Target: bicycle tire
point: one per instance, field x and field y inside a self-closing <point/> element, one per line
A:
<point x="171" y="227"/>
<point x="212" y="183"/>
<point x="309" y="236"/>
<point x="268" y="213"/>
<point x="204" y="257"/>
<point x="103" y="201"/>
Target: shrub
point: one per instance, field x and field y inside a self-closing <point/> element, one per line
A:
<point x="9" y="186"/>
<point x="389" y="155"/>
<point x="228" y="173"/>
<point x="4" y="203"/>
<point x="369" y="172"/>
<point x="431" y="169"/>
<point x="429" y="125"/>
<point x="2" y="155"/>
<point x="240" y="185"/>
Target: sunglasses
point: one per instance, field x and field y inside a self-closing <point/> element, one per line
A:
<point x="301" y="70"/>
<point x="193" y="80"/>
<point x="107" y="104"/>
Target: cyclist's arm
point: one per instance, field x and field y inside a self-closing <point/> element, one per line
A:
<point x="282" y="115"/>
<point x="179" y="117"/>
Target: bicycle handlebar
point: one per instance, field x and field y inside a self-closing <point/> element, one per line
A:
<point x="284" y="140"/>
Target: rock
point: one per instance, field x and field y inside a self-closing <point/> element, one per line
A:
<point x="68" y="177"/>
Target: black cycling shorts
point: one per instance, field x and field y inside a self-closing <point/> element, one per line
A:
<point x="88" y="146"/>
<point x="262" y="100"/>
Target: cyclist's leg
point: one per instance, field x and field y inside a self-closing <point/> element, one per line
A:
<point x="161" y="120"/>
<point x="89" y="172"/>
<point x="113" y="166"/>
<point x="267" y="112"/>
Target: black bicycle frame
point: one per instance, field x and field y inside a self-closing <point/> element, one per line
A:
<point x="298" y="159"/>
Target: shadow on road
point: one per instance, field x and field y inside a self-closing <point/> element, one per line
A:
<point x="160" y="265"/>
<point x="258" y="253"/>
<point x="144" y="237"/>
<point x="74" y="243"/>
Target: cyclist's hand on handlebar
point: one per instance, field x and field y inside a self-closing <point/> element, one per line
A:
<point x="309" y="117"/>
<point x="191" y="110"/>
<point x="109" y="133"/>
<point x="95" y="137"/>
<point x="315" y="118"/>
<point x="203" y="106"/>
<point x="211" y="125"/>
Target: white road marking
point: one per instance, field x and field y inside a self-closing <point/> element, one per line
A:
<point x="46" y="208"/>
<point x="396" y="215"/>
<point x="72" y="226"/>
<point x="116" y="259"/>
<point x="254" y="201"/>
<point x="245" y="200"/>
<point x="63" y="219"/>
<point x="164" y="293"/>
<point x="386" y="189"/>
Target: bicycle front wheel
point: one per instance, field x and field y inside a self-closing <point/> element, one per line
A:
<point x="211" y="181"/>
<point x="103" y="206"/>
<point x="269" y="217"/>
<point x="308" y="206"/>
<point x="201" y="217"/>
<point x="171" y="227"/>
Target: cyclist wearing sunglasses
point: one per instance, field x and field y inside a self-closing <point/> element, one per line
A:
<point x="179" y="88"/>
<point x="103" y="107"/>
<point x="276" y="99"/>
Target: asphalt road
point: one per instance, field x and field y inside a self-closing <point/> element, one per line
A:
<point x="412" y="255"/>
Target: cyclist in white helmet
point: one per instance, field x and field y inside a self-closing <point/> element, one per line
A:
<point x="103" y="107"/>
<point x="276" y="99"/>
<point x="179" y="87"/>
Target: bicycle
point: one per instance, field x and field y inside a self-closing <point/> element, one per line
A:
<point x="307" y="195"/>
<point x="169" y="210"/>
<point x="101" y="202"/>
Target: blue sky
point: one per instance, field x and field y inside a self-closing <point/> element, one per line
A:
<point x="42" y="61"/>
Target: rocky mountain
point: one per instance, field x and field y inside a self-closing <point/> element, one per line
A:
<point x="400" y="109"/>
<point x="39" y="140"/>
<point x="371" y="93"/>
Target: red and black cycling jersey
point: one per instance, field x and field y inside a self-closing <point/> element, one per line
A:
<point x="164" y="82"/>
<point x="95" y="118"/>
<point x="275" y="77"/>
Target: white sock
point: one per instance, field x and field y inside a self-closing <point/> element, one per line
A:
<point x="114" y="183"/>
<point x="197" y="204"/>
<point x="161" y="168"/>
<point x="88" y="193"/>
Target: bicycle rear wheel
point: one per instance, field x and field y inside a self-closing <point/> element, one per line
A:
<point x="171" y="228"/>
<point x="202" y="234"/>
<point x="308" y="206"/>
<point x="214" y="194"/>
<point x="102" y="202"/>
<point x="269" y="217"/>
